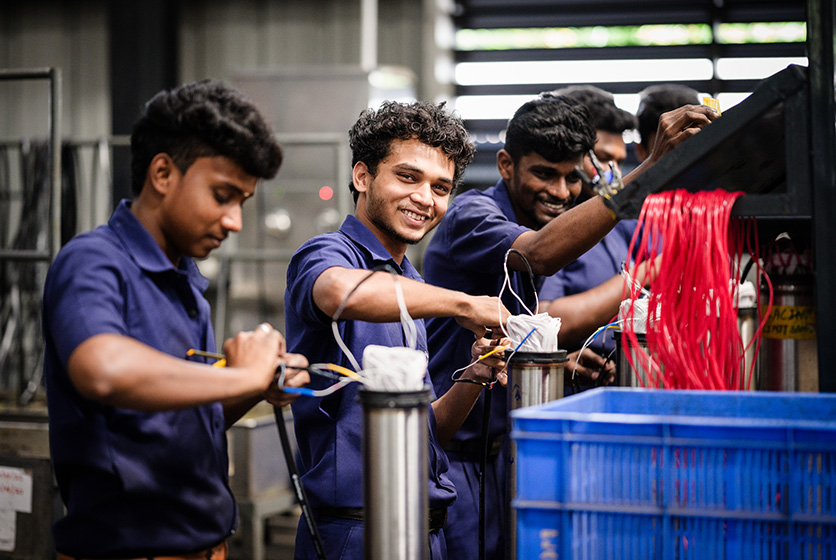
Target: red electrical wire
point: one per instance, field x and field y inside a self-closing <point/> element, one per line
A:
<point x="693" y="341"/>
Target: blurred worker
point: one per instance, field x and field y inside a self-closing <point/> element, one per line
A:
<point x="407" y="160"/>
<point x="566" y="294"/>
<point x="609" y="121"/>
<point x="654" y="101"/>
<point x="137" y="430"/>
<point x="587" y="292"/>
<point x="530" y="210"/>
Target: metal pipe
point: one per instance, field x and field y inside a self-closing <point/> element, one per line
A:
<point x="395" y="474"/>
<point x="368" y="35"/>
<point x="533" y="378"/>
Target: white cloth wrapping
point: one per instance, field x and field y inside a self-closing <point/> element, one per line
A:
<point x="394" y="369"/>
<point x="543" y="339"/>
<point x="639" y="314"/>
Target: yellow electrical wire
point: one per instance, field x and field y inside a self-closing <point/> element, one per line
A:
<point x="497" y="349"/>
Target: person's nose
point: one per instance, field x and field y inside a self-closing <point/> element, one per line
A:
<point x="422" y="195"/>
<point x="558" y="188"/>
<point x="231" y="219"/>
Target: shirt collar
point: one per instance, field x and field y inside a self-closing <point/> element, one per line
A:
<point x="500" y="194"/>
<point x="362" y="236"/>
<point x="145" y="251"/>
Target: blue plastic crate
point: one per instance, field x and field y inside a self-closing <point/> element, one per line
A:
<point x="640" y="473"/>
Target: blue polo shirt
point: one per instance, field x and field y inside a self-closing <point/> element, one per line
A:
<point x="134" y="483"/>
<point x="467" y="254"/>
<point x="592" y="269"/>
<point x="329" y="430"/>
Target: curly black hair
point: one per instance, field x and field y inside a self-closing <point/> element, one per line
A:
<point x="371" y="136"/>
<point x="555" y="127"/>
<point x="203" y="119"/>
<point x="600" y="105"/>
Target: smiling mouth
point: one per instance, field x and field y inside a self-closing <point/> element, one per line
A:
<point x="415" y="216"/>
<point x="555" y="207"/>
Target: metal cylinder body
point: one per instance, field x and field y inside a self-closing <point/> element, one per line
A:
<point x="789" y="352"/>
<point x="533" y="378"/>
<point x="395" y="474"/>
<point x="635" y="375"/>
<point x="747" y="324"/>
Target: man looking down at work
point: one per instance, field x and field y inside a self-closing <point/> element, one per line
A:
<point x="407" y="160"/>
<point x="136" y="420"/>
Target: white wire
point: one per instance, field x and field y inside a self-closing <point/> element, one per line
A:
<point x="335" y="328"/>
<point x="507" y="282"/>
<point x="589" y="340"/>
<point x="407" y="323"/>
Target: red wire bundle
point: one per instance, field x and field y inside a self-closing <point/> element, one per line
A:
<point x="693" y="340"/>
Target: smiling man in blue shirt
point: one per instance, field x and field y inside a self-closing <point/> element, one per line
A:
<point x="137" y="431"/>
<point x="531" y="210"/>
<point x="407" y="160"/>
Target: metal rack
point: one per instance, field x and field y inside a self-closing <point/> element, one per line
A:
<point x="23" y="441"/>
<point x="53" y="75"/>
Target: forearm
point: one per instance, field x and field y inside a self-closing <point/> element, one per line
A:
<point x="565" y="238"/>
<point x="120" y="371"/>
<point x="452" y="408"/>
<point x="375" y="299"/>
<point x="235" y="408"/>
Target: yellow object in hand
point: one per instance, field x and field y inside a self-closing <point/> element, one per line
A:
<point x="711" y="102"/>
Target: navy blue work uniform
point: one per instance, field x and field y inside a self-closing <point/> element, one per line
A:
<point x="134" y="483"/>
<point x="592" y="269"/>
<point x="329" y="430"/>
<point x="467" y="254"/>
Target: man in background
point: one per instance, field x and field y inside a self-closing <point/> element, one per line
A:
<point x="586" y="294"/>
<point x="531" y="210"/>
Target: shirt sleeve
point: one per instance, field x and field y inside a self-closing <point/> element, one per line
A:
<point x="553" y="288"/>
<point x="83" y="296"/>
<point x="479" y="235"/>
<point x="310" y="261"/>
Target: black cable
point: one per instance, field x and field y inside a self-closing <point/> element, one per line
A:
<point x="527" y="265"/>
<point x="301" y="497"/>
<point x="483" y="466"/>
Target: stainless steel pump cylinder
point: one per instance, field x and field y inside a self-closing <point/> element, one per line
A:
<point x="395" y="474"/>
<point x="533" y="378"/>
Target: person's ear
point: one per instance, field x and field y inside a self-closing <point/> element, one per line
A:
<point x="505" y="165"/>
<point x="161" y="173"/>
<point x="361" y="177"/>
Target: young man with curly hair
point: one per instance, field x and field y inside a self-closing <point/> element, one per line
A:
<point x="137" y="430"/>
<point x="407" y="160"/>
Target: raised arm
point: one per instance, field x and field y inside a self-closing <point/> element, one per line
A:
<point x="568" y="236"/>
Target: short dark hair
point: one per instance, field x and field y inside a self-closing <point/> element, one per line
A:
<point x="203" y="119"/>
<point x="658" y="99"/>
<point x="371" y="136"/>
<point x="555" y="127"/>
<point x="600" y="105"/>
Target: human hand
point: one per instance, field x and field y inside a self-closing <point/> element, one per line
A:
<point x="293" y="377"/>
<point x="256" y="352"/>
<point x="491" y="361"/>
<point x="591" y="366"/>
<point x="483" y="313"/>
<point x="678" y="125"/>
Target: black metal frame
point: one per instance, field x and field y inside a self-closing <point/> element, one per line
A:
<point x="759" y="146"/>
